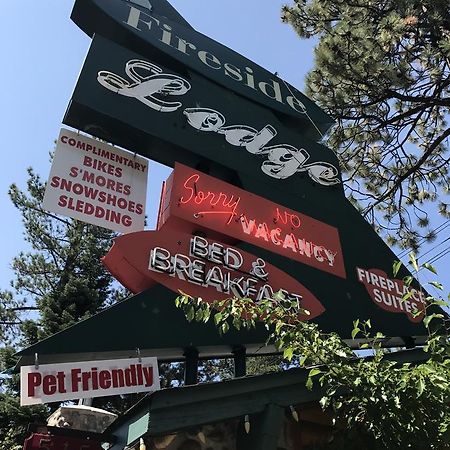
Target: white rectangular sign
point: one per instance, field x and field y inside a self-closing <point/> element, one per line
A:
<point x="97" y="183"/>
<point x="69" y="381"/>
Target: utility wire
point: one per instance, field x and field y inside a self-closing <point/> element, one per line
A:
<point x="436" y="231"/>
<point x="437" y="257"/>
<point x="433" y="248"/>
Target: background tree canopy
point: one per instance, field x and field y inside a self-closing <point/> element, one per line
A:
<point x="383" y="72"/>
<point x="61" y="277"/>
<point x="58" y="282"/>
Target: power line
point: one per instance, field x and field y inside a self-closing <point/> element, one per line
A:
<point x="436" y="231"/>
<point x="436" y="246"/>
<point x="437" y="257"/>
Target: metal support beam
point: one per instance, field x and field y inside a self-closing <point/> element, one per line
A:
<point x="191" y="366"/>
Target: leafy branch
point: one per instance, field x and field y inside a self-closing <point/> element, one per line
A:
<point x="393" y="405"/>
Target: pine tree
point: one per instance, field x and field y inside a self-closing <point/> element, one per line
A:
<point x="57" y="283"/>
<point x="382" y="69"/>
<point x="61" y="278"/>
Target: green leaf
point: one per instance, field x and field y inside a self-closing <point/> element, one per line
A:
<point x="428" y="319"/>
<point x="440" y="303"/>
<point x="314" y="372"/>
<point x="288" y="353"/>
<point x="199" y="315"/>
<point x="190" y="313"/>
<point x="406" y="296"/>
<point x="279" y="295"/>
<point x="324" y="402"/>
<point x="429" y="267"/>
<point x="396" y="267"/>
<point x="420" y="386"/>
<point x="437" y="285"/>
<point x="413" y="261"/>
<point x="355" y="332"/>
<point x="217" y="318"/>
<point x="408" y="280"/>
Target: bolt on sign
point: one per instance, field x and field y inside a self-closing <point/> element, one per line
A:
<point x="97" y="183"/>
<point x="204" y="268"/>
<point x="69" y="381"/>
<point x="39" y="441"/>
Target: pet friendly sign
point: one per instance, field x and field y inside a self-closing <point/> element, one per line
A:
<point x="60" y="382"/>
<point x="97" y="183"/>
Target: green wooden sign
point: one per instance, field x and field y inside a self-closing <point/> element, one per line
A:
<point x="167" y="92"/>
<point x="172" y="115"/>
<point x="162" y="33"/>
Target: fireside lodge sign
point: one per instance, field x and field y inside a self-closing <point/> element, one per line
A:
<point x="149" y="85"/>
<point x="163" y="32"/>
<point x="171" y="117"/>
<point x="254" y="206"/>
<point x="249" y="176"/>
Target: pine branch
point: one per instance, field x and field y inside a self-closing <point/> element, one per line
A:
<point x="411" y="170"/>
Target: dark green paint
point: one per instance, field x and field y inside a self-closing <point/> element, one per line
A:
<point x="266" y="398"/>
<point x="180" y="409"/>
<point x="150" y="320"/>
<point x="147" y="321"/>
<point x="167" y="137"/>
<point x="111" y="19"/>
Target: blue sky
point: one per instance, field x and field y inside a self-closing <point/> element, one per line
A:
<point x="42" y="54"/>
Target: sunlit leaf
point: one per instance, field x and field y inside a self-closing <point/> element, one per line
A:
<point x="396" y="267"/>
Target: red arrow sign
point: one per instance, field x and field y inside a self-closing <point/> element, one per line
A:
<point x="202" y="268"/>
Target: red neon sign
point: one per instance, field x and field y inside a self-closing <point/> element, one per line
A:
<point x="212" y="204"/>
<point x="203" y="268"/>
